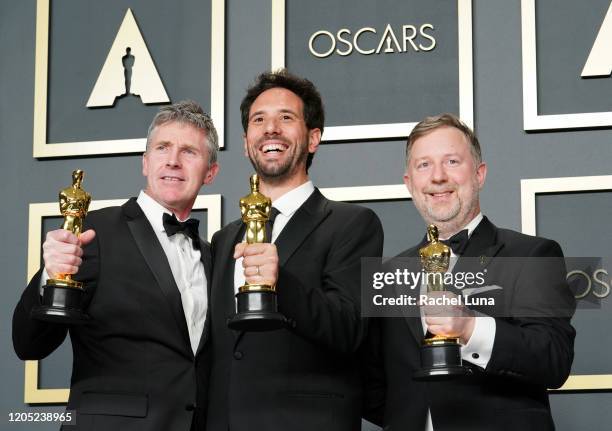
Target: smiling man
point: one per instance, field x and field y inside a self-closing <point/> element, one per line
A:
<point x="510" y="361"/>
<point x="304" y="376"/>
<point x="142" y="361"/>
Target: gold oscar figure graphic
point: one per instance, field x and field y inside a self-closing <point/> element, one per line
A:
<point x="61" y="301"/>
<point x="440" y="355"/>
<point x="256" y="305"/>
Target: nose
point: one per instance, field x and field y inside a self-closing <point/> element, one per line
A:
<point x="173" y="159"/>
<point x="272" y="126"/>
<point x="438" y="174"/>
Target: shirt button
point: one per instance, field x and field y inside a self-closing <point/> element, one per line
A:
<point x="475" y="355"/>
<point x="238" y="355"/>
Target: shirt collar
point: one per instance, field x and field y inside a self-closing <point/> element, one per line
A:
<point x="288" y="203"/>
<point x="471" y="226"/>
<point x="153" y="211"/>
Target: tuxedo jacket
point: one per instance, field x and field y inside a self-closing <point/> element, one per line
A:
<point x="304" y="376"/>
<point x="133" y="365"/>
<point x="530" y="354"/>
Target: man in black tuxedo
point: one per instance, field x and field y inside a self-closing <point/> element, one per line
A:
<point x="142" y="361"/>
<point x="511" y="361"/>
<point x="304" y="376"/>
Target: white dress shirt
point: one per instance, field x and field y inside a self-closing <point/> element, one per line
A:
<point x="187" y="268"/>
<point x="287" y="205"/>
<point x="479" y="347"/>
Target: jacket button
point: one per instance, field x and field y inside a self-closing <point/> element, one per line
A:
<point x="475" y="355"/>
<point x="238" y="355"/>
<point x="190" y="407"/>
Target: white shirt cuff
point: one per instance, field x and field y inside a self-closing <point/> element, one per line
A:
<point x="44" y="276"/>
<point x="480" y="345"/>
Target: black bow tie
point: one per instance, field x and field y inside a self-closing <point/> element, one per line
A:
<point x="458" y="242"/>
<point x="188" y="227"/>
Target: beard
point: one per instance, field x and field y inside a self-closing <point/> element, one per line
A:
<point x="278" y="171"/>
<point x="456" y="214"/>
<point x="442" y="215"/>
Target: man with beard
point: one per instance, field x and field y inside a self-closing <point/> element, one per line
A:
<point x="304" y="376"/>
<point x="510" y="361"/>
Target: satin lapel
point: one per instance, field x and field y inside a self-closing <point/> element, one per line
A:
<point x="414" y="323"/>
<point x="225" y="256"/>
<point x="482" y="245"/>
<point x="205" y="332"/>
<point x="224" y="267"/>
<point x="207" y="262"/>
<point x="154" y="255"/>
<point x="303" y="222"/>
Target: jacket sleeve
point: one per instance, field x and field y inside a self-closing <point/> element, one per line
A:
<point x="538" y="349"/>
<point x="328" y="310"/>
<point x="34" y="339"/>
<point x="373" y="374"/>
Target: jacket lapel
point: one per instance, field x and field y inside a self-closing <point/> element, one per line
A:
<point x="303" y="222"/>
<point x="414" y="323"/>
<point x="206" y="260"/>
<point x="154" y="255"/>
<point x="224" y="267"/>
<point x="482" y="245"/>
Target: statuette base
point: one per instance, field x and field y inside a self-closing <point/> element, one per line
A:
<point x="440" y="360"/>
<point x="257" y="311"/>
<point x="61" y="303"/>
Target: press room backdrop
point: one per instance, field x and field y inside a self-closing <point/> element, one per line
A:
<point x="532" y="76"/>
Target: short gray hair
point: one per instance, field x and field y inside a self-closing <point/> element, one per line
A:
<point x="429" y="124"/>
<point x="189" y="112"/>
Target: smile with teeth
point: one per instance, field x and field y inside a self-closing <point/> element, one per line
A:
<point x="268" y="148"/>
<point x="440" y="194"/>
<point x="171" y="178"/>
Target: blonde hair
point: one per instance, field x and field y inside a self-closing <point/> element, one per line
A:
<point x="429" y="124"/>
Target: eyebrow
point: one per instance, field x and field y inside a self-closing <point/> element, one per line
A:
<point x="285" y="110"/>
<point x="282" y="111"/>
<point x="454" y="154"/>
<point x="190" y="145"/>
<point x="181" y="145"/>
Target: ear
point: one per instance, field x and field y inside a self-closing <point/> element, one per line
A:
<point x="314" y="139"/>
<point x="212" y="172"/>
<point x="407" y="181"/>
<point x="481" y="174"/>
<point x="145" y="164"/>
<point x="246" y="148"/>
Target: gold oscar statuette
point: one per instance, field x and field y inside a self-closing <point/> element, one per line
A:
<point x="255" y="211"/>
<point x="440" y="355"/>
<point x="256" y="304"/>
<point x="61" y="301"/>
